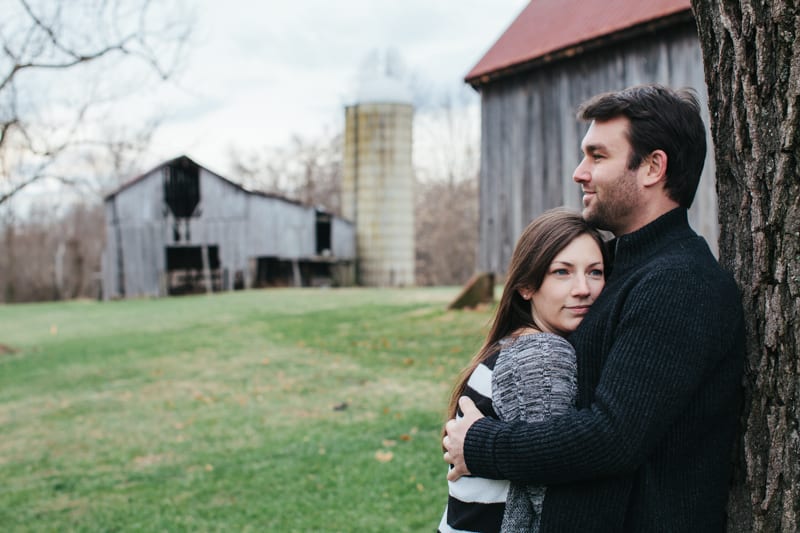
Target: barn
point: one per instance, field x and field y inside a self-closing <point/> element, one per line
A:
<point x="553" y="56"/>
<point x="180" y="228"/>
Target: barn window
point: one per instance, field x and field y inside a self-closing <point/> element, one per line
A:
<point x="323" y="233"/>
<point x="273" y="272"/>
<point x="185" y="269"/>
<point x="182" y="187"/>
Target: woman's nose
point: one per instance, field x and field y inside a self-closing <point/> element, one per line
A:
<point x="580" y="287"/>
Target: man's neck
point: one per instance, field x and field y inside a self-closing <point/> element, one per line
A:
<point x="647" y="213"/>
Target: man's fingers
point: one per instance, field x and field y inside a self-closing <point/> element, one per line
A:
<point x="455" y="473"/>
<point x="466" y="403"/>
<point x="453" y="441"/>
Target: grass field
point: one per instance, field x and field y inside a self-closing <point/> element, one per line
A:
<point x="275" y="410"/>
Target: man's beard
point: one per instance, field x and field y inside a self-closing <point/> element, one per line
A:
<point x="619" y="200"/>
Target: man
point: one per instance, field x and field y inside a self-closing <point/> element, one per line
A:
<point x="660" y="354"/>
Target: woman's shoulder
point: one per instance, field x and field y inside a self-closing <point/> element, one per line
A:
<point x="536" y="340"/>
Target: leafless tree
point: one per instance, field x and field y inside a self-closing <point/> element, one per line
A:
<point x="52" y="256"/>
<point x="446" y="220"/>
<point x="59" y="67"/>
<point x="308" y="170"/>
<point x="446" y="206"/>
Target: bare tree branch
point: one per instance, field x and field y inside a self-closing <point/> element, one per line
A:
<point x="14" y="190"/>
<point x="5" y="128"/>
<point x="51" y="38"/>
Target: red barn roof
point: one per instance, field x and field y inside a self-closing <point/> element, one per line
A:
<point x="549" y="29"/>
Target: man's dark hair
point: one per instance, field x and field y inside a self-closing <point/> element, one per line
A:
<point x="660" y="119"/>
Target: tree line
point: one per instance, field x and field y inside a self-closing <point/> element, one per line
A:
<point x="54" y="255"/>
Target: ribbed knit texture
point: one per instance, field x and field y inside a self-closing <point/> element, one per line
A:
<point x="535" y="377"/>
<point x="660" y="359"/>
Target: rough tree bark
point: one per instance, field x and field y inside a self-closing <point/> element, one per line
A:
<point x="751" y="53"/>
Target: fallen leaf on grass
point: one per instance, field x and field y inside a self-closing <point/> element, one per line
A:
<point x="5" y="349"/>
<point x="405" y="437"/>
<point x="384" y="457"/>
<point x="200" y="397"/>
<point x="388" y="443"/>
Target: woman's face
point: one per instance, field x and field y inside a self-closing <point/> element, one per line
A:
<point x="570" y="286"/>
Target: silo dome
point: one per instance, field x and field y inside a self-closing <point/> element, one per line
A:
<point x="381" y="89"/>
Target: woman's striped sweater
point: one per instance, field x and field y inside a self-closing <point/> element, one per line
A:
<point x="532" y="377"/>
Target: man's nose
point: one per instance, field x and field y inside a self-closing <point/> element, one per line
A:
<point x="581" y="174"/>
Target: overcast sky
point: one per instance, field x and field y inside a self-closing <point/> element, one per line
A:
<point x="260" y="71"/>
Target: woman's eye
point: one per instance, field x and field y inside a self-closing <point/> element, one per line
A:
<point x="560" y="272"/>
<point x="596" y="273"/>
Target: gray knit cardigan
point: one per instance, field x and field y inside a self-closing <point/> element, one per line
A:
<point x="535" y="377"/>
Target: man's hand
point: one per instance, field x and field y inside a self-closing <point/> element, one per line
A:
<point x="456" y="432"/>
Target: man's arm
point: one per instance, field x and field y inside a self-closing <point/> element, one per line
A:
<point x="671" y="333"/>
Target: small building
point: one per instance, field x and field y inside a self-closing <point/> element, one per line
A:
<point x="181" y="228"/>
<point x="555" y="55"/>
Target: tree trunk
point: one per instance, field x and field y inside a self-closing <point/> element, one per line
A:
<point x="752" y="59"/>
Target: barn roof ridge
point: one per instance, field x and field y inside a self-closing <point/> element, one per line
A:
<point x="239" y="186"/>
<point x="547" y="30"/>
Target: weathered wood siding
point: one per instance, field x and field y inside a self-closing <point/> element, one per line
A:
<point x="531" y="139"/>
<point x="343" y="238"/>
<point x="243" y="225"/>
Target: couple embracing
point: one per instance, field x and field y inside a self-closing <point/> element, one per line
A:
<point x="607" y="393"/>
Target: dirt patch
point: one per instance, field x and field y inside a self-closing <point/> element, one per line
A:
<point x="6" y="350"/>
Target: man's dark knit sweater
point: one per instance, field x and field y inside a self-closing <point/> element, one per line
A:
<point x="660" y="359"/>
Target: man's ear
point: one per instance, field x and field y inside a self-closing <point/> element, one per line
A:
<point x="656" y="166"/>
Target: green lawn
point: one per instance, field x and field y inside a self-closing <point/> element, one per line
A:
<point x="274" y="410"/>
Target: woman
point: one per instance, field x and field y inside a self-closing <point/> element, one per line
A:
<point x="526" y="369"/>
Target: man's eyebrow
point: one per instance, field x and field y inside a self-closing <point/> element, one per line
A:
<point x="595" y="147"/>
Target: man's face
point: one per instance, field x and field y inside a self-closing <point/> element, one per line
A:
<point x="611" y="191"/>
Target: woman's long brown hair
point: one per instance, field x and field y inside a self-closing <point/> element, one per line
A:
<point x="536" y="248"/>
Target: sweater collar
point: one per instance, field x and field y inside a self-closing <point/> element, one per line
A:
<point x="632" y="248"/>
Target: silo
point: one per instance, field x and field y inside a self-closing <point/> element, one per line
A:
<point x="377" y="185"/>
